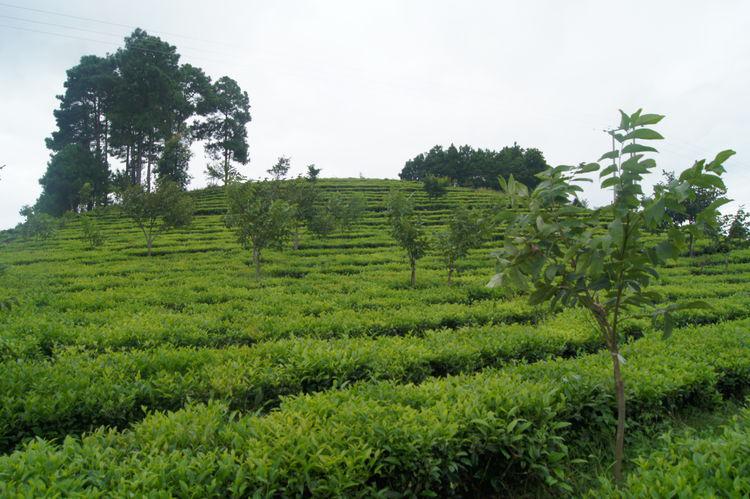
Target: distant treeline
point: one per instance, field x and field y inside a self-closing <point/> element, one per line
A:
<point x="471" y="167"/>
<point x="143" y="108"/>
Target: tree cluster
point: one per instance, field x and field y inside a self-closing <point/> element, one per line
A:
<point x="142" y="108"/>
<point x="268" y="213"/>
<point x="470" y="167"/>
<point x="467" y="229"/>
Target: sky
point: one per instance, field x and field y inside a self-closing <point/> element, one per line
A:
<point x="359" y="87"/>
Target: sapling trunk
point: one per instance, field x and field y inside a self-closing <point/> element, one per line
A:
<point x="413" y="264"/>
<point x="450" y="274"/>
<point x="620" y="398"/>
<point x="256" y="261"/>
<point x="149" y="243"/>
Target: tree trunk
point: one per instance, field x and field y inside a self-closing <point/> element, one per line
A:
<point x="413" y="264"/>
<point x="450" y="274"/>
<point x="620" y="398"/>
<point x="295" y="241"/>
<point x="149" y="243"/>
<point x="690" y="245"/>
<point x="256" y="261"/>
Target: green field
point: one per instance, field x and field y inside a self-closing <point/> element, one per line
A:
<point x="184" y="375"/>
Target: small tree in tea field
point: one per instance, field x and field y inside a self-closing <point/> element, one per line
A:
<point x="407" y="229"/>
<point x="598" y="259"/>
<point x="435" y="187"/>
<point x="156" y="212"/>
<point x="467" y="229"/>
<point x="260" y="216"/>
<point x="301" y="195"/>
<point x="91" y="233"/>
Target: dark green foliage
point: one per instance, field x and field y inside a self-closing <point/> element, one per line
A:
<point x="260" y="216"/>
<point x="224" y="130"/>
<point x="476" y="167"/>
<point x="68" y="171"/>
<point x="174" y="161"/>
<point x="280" y="170"/>
<point x="407" y="229"/>
<point x="136" y="105"/>
<point x="156" y="212"/>
<point x="435" y="187"/>
<point x="312" y="173"/>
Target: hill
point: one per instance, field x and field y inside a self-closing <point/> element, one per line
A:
<point x="331" y="375"/>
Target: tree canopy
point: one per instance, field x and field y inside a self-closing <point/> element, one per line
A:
<point x="140" y="107"/>
<point x="471" y="167"/>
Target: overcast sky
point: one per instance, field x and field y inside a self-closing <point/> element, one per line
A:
<point x="359" y="87"/>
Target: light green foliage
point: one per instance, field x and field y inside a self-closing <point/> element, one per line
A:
<point x="260" y="216"/>
<point x="91" y="233"/>
<point x="556" y="250"/>
<point x="331" y="376"/>
<point x="445" y="436"/>
<point x="407" y="229"/>
<point x="38" y="225"/>
<point x="466" y="230"/>
<point x="692" y="466"/>
<point x="156" y="212"/>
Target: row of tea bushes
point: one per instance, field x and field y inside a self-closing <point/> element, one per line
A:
<point x="691" y="466"/>
<point x="78" y="391"/>
<point x="501" y="430"/>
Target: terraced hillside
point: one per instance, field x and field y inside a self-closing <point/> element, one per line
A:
<point x="182" y="374"/>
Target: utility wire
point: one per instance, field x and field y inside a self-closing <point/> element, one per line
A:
<point x="104" y="33"/>
<point x="100" y="21"/>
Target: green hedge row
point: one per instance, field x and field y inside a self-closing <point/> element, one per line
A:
<point x="78" y="391"/>
<point x="500" y="430"/>
<point x="690" y="466"/>
<point x="220" y="325"/>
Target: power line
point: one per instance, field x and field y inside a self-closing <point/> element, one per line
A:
<point x="74" y="28"/>
<point x="103" y="42"/>
<point x="110" y="23"/>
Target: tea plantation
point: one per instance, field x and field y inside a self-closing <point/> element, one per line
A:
<point x="181" y="374"/>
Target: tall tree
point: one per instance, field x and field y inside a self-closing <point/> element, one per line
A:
<point x="148" y="101"/>
<point x="82" y="120"/>
<point x="471" y="167"/>
<point x="174" y="161"/>
<point x="224" y="129"/>
<point x="68" y="171"/>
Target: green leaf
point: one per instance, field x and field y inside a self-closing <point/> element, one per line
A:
<point x="648" y="119"/>
<point x="610" y="155"/>
<point x="624" y="120"/>
<point x="610" y="182"/>
<point x="634" y="148"/>
<point x="643" y="134"/>
<point x="588" y="168"/>
<point x="719" y="160"/>
<point x="608" y="171"/>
